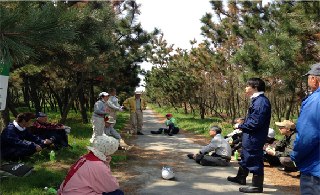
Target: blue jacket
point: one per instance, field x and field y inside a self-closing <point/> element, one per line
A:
<point x="255" y="131"/>
<point x="256" y="126"/>
<point x="12" y="138"/>
<point x="306" y="147"/>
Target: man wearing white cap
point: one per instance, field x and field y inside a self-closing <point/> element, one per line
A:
<point x="136" y="105"/>
<point x="91" y="173"/>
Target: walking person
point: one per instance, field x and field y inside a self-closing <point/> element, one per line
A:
<point x="255" y="130"/>
<point x="136" y="104"/>
<point x="113" y="105"/>
<point x="306" y="147"/>
<point x="99" y="113"/>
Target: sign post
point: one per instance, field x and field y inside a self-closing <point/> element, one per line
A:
<point x="4" y="78"/>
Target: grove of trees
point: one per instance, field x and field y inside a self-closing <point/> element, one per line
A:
<point x="64" y="53"/>
<point x="277" y="42"/>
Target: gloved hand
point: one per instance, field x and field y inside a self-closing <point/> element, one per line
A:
<point x="120" y="109"/>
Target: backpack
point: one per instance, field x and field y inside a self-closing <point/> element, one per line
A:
<point x="15" y="169"/>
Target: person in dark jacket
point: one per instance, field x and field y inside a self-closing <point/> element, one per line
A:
<point x="283" y="148"/>
<point x="255" y="131"/>
<point x="270" y="143"/>
<point x="57" y="133"/>
<point x="16" y="140"/>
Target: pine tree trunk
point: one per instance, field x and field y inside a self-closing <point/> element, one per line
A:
<point x="72" y="99"/>
<point x="33" y="94"/>
<point x="82" y="109"/>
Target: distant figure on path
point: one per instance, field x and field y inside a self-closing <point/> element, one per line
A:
<point x="172" y="126"/>
<point x="306" y="147"/>
<point x="136" y="105"/>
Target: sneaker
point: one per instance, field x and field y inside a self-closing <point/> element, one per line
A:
<point x="190" y="156"/>
<point x="170" y="133"/>
<point x="155" y="132"/>
<point x="140" y="133"/>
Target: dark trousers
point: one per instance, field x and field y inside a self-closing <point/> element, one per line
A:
<point x="20" y="152"/>
<point x="309" y="184"/>
<point x="272" y="160"/>
<point x="117" y="192"/>
<point x="175" y="130"/>
<point x="59" y="135"/>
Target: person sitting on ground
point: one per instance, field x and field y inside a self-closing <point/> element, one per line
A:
<point x="236" y="130"/>
<point x="284" y="147"/>
<point x="172" y="126"/>
<point x="271" y="142"/>
<point x="221" y="155"/>
<point x="236" y="142"/>
<point x="13" y="144"/>
<point x="57" y="133"/>
<point x="91" y="173"/>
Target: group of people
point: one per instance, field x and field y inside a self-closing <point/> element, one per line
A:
<point x="299" y="148"/>
<point x="18" y="141"/>
<point x="91" y="173"/>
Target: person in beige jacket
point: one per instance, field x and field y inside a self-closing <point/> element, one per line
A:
<point x="136" y="104"/>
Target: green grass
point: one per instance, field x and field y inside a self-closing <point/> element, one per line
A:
<point x="191" y="122"/>
<point x="51" y="174"/>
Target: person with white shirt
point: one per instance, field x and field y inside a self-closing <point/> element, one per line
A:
<point x="221" y="150"/>
<point x="113" y="105"/>
<point x="255" y="131"/>
<point x="16" y="140"/>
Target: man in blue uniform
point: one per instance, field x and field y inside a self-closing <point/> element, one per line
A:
<point x="255" y="132"/>
<point x="306" y="147"/>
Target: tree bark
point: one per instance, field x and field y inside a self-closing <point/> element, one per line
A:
<point x="33" y="94"/>
<point x="82" y="109"/>
<point x="72" y="99"/>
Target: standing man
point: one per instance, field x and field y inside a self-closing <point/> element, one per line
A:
<point x="306" y="147"/>
<point x="113" y="105"/>
<point x="136" y="105"/>
<point x="255" y="130"/>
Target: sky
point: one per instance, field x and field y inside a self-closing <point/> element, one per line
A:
<point x="179" y="20"/>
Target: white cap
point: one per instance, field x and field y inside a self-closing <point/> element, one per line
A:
<point x="138" y="92"/>
<point x="103" y="94"/>
<point x="271" y="133"/>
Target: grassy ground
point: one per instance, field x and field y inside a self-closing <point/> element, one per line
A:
<point x="195" y="124"/>
<point x="50" y="174"/>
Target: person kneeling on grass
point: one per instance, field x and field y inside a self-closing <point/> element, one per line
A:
<point x="91" y="173"/>
<point x="16" y="140"/>
<point x="172" y="126"/>
<point x="221" y="148"/>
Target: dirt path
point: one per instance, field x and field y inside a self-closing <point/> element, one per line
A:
<point x="141" y="173"/>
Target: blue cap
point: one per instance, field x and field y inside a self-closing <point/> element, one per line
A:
<point x="41" y="114"/>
